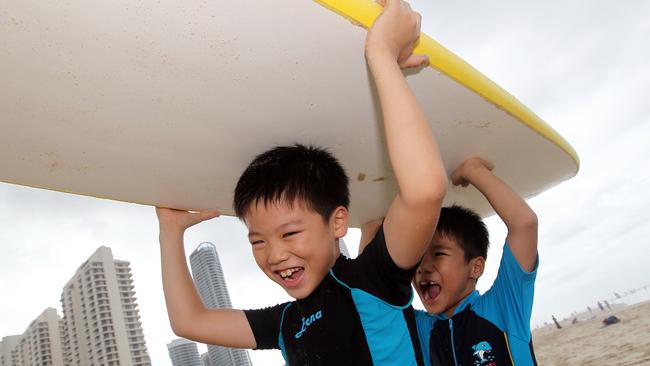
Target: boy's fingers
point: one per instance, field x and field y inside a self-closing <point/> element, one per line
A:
<point x="424" y="60"/>
<point x="415" y="61"/>
<point x="160" y="211"/>
<point x="207" y="215"/>
<point x="488" y="164"/>
<point x="458" y="180"/>
<point x="406" y="54"/>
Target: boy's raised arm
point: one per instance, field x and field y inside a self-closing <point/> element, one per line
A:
<point x="188" y="316"/>
<point x="519" y="218"/>
<point x="413" y="151"/>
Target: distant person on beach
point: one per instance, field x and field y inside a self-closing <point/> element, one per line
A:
<point x="607" y="304"/>
<point x="557" y="324"/>
<point x="601" y="307"/>
<point x="612" y="319"/>
<point x="462" y="326"/>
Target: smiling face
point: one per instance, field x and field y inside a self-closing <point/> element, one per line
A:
<point x="444" y="278"/>
<point x="293" y="245"/>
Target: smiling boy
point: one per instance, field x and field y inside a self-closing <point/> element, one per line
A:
<point x="461" y="326"/>
<point x="294" y="200"/>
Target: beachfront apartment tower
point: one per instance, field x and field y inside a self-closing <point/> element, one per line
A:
<point x="343" y="248"/>
<point x="210" y="281"/>
<point x="184" y="353"/>
<point x="39" y="345"/>
<point x="101" y="322"/>
<point x="7" y="345"/>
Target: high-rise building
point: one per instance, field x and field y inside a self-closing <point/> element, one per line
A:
<point x="205" y="359"/>
<point x="210" y="281"/>
<point x="184" y="353"/>
<point x="343" y="248"/>
<point x="7" y="344"/>
<point x="101" y="321"/>
<point x="39" y="345"/>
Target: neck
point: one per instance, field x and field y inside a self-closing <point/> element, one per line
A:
<point x="450" y="311"/>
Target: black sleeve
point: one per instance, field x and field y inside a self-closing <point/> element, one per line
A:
<point x="265" y="324"/>
<point x="375" y="271"/>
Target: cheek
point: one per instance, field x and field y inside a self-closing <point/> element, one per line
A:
<point x="260" y="257"/>
<point x="427" y="261"/>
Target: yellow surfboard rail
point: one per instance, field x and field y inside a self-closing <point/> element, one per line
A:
<point x="364" y="13"/>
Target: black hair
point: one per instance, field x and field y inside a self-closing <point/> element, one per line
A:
<point x="287" y="173"/>
<point x="466" y="228"/>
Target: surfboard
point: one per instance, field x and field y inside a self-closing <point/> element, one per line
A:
<point x="165" y="103"/>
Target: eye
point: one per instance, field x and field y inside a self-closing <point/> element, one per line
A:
<point x="291" y="233"/>
<point x="257" y="242"/>
<point x="439" y="254"/>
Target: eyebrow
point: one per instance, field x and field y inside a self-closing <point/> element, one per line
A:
<point x="294" y="222"/>
<point x="438" y="246"/>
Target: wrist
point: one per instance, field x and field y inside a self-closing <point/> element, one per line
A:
<point x="166" y="232"/>
<point x="375" y="52"/>
<point x="472" y="172"/>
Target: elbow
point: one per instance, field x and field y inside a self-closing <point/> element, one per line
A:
<point x="425" y="194"/>
<point x="180" y="329"/>
<point x="440" y="189"/>
<point x="425" y="201"/>
<point x="433" y="193"/>
<point x="528" y="221"/>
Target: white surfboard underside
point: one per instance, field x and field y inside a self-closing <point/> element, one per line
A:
<point x="165" y="103"/>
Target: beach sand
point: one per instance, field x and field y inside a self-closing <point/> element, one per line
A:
<point x="589" y="342"/>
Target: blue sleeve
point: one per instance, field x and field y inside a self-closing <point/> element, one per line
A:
<point x="509" y="302"/>
<point x="424" y="324"/>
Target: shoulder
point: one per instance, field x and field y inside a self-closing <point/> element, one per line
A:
<point x="266" y="324"/>
<point x="268" y="314"/>
<point x="512" y="270"/>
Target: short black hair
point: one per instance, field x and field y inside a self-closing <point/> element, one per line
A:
<point x="287" y="173"/>
<point x="466" y="227"/>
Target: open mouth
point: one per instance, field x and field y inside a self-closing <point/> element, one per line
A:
<point x="291" y="275"/>
<point x="429" y="290"/>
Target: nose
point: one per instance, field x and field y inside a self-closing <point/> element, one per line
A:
<point x="276" y="253"/>
<point x="426" y="266"/>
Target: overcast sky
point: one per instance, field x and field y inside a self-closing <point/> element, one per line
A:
<point x="581" y="65"/>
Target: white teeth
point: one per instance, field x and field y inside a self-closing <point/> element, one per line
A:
<point x="288" y="272"/>
<point x="430" y="283"/>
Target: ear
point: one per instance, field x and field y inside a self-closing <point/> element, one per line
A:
<point x="339" y="221"/>
<point x="477" y="265"/>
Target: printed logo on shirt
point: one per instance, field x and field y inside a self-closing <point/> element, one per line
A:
<point x="307" y="321"/>
<point x="483" y="354"/>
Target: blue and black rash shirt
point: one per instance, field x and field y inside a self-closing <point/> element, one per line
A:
<point x="492" y="329"/>
<point x="360" y="314"/>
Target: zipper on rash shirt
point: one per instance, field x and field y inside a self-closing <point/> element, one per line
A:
<point x="451" y="334"/>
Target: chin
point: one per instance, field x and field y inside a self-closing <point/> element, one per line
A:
<point x="298" y="294"/>
<point x="430" y="309"/>
<point x="435" y="308"/>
